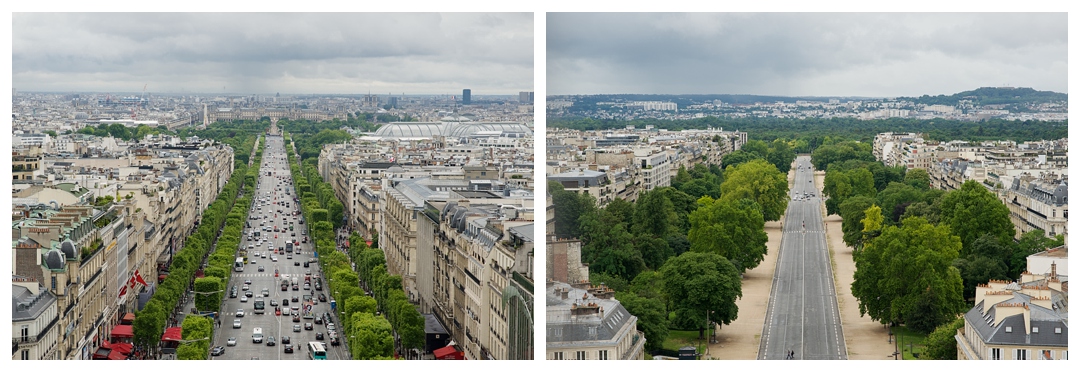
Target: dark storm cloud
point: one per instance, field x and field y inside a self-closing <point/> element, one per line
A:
<point x="273" y="52"/>
<point x="876" y="54"/>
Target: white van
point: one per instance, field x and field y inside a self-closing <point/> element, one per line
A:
<point x="257" y="335"/>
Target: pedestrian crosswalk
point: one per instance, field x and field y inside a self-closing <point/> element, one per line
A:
<point x="805" y="231"/>
<point x="254" y="275"/>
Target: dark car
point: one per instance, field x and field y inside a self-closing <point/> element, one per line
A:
<point x="249" y="294"/>
<point x="284" y="302"/>
<point x="217" y="351"/>
<point x="285" y="340"/>
<point x="318" y="320"/>
<point x="322" y="297"/>
<point x="270" y="341"/>
<point x="295" y="299"/>
<point x="307" y="264"/>
<point x="296" y="263"/>
<point x="318" y="336"/>
<point x="261" y="269"/>
<point x="288" y="349"/>
<point x="295" y="287"/>
<point x="308" y="326"/>
<point x="296" y="319"/>
<point x="284" y="287"/>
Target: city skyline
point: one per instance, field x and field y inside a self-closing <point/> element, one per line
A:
<point x="268" y="53"/>
<point x="815" y="54"/>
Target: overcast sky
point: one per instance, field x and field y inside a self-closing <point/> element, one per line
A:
<point x="424" y="53"/>
<point x="808" y="54"/>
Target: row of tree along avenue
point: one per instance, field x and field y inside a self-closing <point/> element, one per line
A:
<point x="919" y="252"/>
<point x="215" y="241"/>
<point x="375" y="325"/>
<point x="675" y="256"/>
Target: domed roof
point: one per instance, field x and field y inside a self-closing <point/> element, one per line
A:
<point x="409" y="129"/>
<point x="81" y="116"/>
<point x="54" y="260"/>
<point x="68" y="249"/>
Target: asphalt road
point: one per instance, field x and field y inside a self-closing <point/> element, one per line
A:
<point x="803" y="316"/>
<point x="269" y="194"/>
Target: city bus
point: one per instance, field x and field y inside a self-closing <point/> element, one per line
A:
<point x="260" y="305"/>
<point x="316" y="351"/>
<point x="239" y="265"/>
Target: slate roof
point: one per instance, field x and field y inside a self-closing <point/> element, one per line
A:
<point x="1046" y="320"/>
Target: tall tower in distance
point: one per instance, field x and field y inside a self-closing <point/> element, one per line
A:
<point x="466" y="96"/>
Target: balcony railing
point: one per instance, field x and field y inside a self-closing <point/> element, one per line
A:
<point x="22" y="340"/>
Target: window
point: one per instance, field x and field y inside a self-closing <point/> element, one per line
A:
<point x="25" y="355"/>
<point x="25" y="333"/>
<point x="558" y="355"/>
<point x="1008" y="329"/>
<point x="580" y="355"/>
<point x="603" y="355"/>
<point x="1020" y="354"/>
<point x="1034" y="329"/>
<point x="995" y="354"/>
<point x="1046" y="355"/>
<point x="1057" y="330"/>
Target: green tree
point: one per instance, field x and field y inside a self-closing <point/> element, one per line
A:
<point x="700" y="283"/>
<point x="373" y="337"/>
<point x="653" y="214"/>
<point x="972" y="211"/>
<point x="906" y="275"/>
<point x="149" y="324"/>
<point x="732" y="229"/>
<point x="987" y="259"/>
<point x="895" y="198"/>
<point x="853" y="211"/>
<point x="781" y="155"/>
<point x="1030" y="243"/>
<point x="210" y="292"/>
<point x="569" y="207"/>
<point x="652" y="317"/>
<point x="941" y="343"/>
<point x="737" y="157"/>
<point x="918" y="178"/>
<point x="757" y="180"/>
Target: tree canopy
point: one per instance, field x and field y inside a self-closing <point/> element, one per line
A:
<point x="906" y="276"/>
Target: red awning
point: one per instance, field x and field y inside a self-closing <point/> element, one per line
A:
<point x="122" y="331"/>
<point x="172" y="334"/>
<point x="115" y="355"/>
<point x="446" y="353"/>
<point x="128" y="318"/>
<point x="123" y="347"/>
<point x="101" y="353"/>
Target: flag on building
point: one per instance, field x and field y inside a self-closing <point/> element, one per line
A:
<point x="139" y="278"/>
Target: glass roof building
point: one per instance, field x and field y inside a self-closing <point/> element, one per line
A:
<point x="450" y="129"/>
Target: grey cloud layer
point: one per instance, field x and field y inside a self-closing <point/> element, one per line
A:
<point x="804" y="54"/>
<point x="269" y="52"/>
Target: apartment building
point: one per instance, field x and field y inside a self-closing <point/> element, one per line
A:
<point x="475" y="272"/>
<point x="1038" y="203"/>
<point x="656" y="168"/>
<point x="34" y="330"/>
<point x="1021" y="320"/>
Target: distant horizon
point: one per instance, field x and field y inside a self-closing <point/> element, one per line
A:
<point x="795" y="96"/>
<point x="474" y="95"/>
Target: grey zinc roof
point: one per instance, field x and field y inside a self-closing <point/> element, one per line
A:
<point x="592" y="330"/>
<point x="1046" y="320"/>
<point x="26" y="306"/>
<point x="524" y="231"/>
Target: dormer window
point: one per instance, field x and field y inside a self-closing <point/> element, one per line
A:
<point x="1008" y="329"/>
<point x="1057" y="330"/>
<point x="1034" y="329"/>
